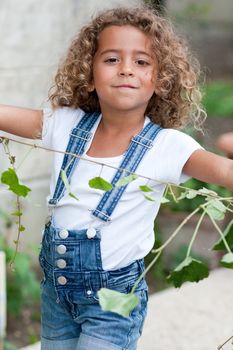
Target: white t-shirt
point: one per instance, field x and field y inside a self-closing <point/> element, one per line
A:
<point x="130" y="234"/>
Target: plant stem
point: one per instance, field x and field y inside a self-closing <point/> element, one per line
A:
<point x="172" y="193"/>
<point x="195" y="233"/>
<point x="176" y="231"/>
<point x="145" y="272"/>
<point x="221" y="234"/>
<point x="24" y="158"/>
<point x="220" y="347"/>
<point x="18" y="233"/>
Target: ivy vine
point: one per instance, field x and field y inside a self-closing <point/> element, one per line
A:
<point x="190" y="269"/>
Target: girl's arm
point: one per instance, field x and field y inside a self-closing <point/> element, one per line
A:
<point x="23" y="122"/>
<point x="225" y="143"/>
<point x="209" y="167"/>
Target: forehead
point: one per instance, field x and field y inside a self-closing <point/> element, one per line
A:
<point x="123" y="37"/>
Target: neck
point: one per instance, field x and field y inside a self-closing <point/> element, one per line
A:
<point x="122" y="121"/>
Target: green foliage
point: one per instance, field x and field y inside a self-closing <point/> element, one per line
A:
<point x="218" y="98"/>
<point x="228" y="235"/>
<point x="100" y="184"/>
<point x="146" y="189"/>
<point x="158" y="272"/>
<point x="126" y="180"/>
<point x="155" y="199"/>
<point x="22" y="285"/>
<point x="191" y="200"/>
<point x="9" y="346"/>
<point x="189" y="269"/>
<point x="10" y="178"/>
<point x="180" y="254"/>
<point x="67" y="185"/>
<point x="205" y="200"/>
<point x="216" y="209"/>
<point x="227" y="260"/>
<point x="122" y="304"/>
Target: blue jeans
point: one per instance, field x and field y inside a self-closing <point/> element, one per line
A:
<point x="72" y="318"/>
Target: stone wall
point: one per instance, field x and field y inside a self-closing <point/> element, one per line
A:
<point x="208" y="25"/>
<point x="34" y="35"/>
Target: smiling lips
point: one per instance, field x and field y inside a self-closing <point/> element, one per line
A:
<point x="125" y="86"/>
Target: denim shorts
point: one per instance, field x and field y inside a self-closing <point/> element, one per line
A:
<point x="72" y="318"/>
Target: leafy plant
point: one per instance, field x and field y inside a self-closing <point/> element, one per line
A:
<point x="186" y="205"/>
<point x="190" y="269"/>
<point x="9" y="346"/>
<point x="218" y="98"/>
<point x="22" y="284"/>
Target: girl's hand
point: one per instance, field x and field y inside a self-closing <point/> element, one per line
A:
<point x="211" y="168"/>
<point x="23" y="122"/>
<point x="225" y="143"/>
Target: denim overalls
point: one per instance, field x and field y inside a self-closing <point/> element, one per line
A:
<point x="72" y="318"/>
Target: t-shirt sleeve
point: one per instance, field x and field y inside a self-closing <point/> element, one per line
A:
<point x="48" y="125"/>
<point x="57" y="124"/>
<point x="174" y="149"/>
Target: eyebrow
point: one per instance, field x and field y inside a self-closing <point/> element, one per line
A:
<point x="140" y="52"/>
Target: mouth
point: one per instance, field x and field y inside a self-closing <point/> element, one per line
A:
<point x="126" y="86"/>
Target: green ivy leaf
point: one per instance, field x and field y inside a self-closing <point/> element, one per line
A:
<point x="10" y="178"/>
<point x="73" y="196"/>
<point x="22" y="228"/>
<point x="67" y="184"/>
<point x="227" y="260"/>
<point x="126" y="180"/>
<point x="228" y="235"/>
<point x="164" y="200"/>
<point x="17" y="213"/>
<point x="189" y="269"/>
<point x="218" y="205"/>
<point x="100" y="184"/>
<point x="216" y="209"/>
<point x="205" y="192"/>
<point x="154" y="199"/>
<point x="65" y="180"/>
<point x="150" y="198"/>
<point x="146" y="188"/>
<point x="122" y="304"/>
<point x="190" y="194"/>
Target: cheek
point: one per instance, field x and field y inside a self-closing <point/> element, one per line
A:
<point x="100" y="77"/>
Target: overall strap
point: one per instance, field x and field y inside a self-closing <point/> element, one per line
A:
<point x="136" y="150"/>
<point x="79" y="137"/>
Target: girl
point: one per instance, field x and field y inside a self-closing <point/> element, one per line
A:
<point x="125" y="86"/>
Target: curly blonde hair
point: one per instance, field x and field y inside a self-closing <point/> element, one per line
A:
<point x="178" y="100"/>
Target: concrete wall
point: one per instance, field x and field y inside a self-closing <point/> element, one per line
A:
<point x="208" y="24"/>
<point x="34" y="35"/>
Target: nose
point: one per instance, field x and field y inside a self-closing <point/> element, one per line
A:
<point x="126" y="69"/>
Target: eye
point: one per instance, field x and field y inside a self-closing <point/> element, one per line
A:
<point x="142" y="62"/>
<point x="111" y="60"/>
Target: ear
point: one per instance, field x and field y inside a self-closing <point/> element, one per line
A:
<point x="157" y="90"/>
<point x="91" y="87"/>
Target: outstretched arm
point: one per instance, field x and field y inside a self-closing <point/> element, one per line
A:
<point x="211" y="168"/>
<point x="24" y="122"/>
<point x="225" y="143"/>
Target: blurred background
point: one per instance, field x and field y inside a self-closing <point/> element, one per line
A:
<point x="34" y="36"/>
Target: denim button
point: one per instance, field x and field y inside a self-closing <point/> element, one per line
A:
<point x="63" y="234"/>
<point x="61" y="249"/>
<point x="62" y="280"/>
<point x="89" y="292"/>
<point x="91" y="232"/>
<point x="61" y="263"/>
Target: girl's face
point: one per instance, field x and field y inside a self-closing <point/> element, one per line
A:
<point x="124" y="69"/>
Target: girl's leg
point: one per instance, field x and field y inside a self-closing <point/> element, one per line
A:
<point x="58" y="329"/>
<point x="103" y="330"/>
